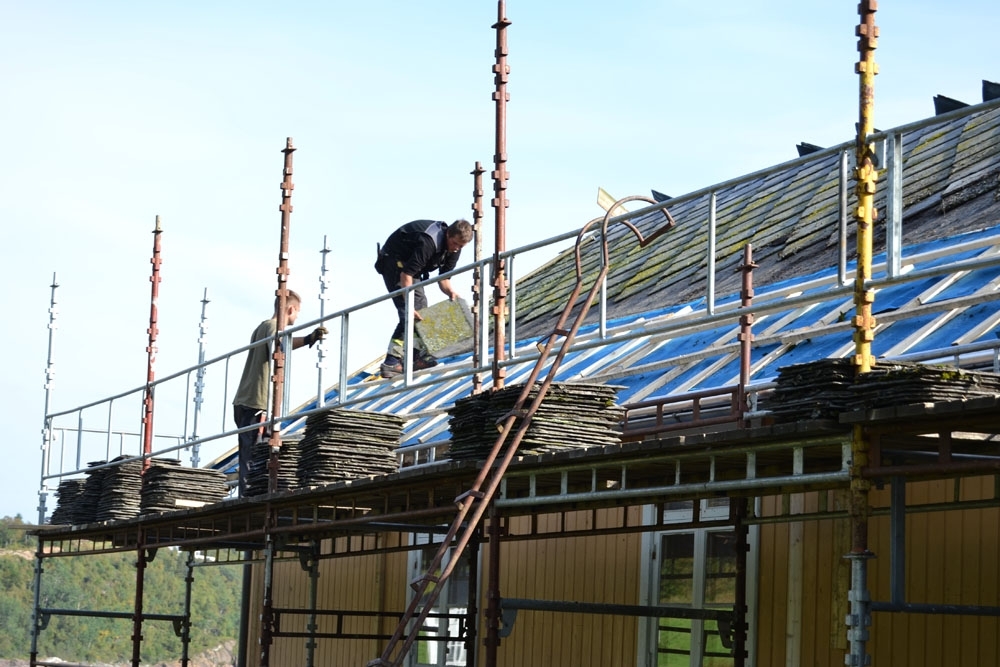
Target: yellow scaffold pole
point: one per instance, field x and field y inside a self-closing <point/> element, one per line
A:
<point x="859" y="618"/>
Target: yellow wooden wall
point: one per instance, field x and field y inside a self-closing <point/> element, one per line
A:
<point x="370" y="583"/>
<point x="578" y="569"/>
<point x="951" y="558"/>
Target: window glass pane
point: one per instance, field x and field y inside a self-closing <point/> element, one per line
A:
<point x="715" y="655"/>
<point x="427" y="554"/>
<point x="720" y="569"/>
<point x="674" y="643"/>
<point x="676" y="568"/>
<point x="430" y="650"/>
<point x="678" y="510"/>
<point x="458" y="582"/>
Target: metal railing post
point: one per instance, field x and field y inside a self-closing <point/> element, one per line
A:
<point x="710" y="295"/>
<point x="894" y="206"/>
<point x="842" y="227"/>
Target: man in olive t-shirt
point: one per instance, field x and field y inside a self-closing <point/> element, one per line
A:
<point x="251" y="400"/>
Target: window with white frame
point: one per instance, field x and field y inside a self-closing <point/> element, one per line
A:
<point x="440" y="643"/>
<point x="693" y="568"/>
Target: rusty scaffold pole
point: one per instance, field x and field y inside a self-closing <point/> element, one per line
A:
<point x="477" y="277"/>
<point x="142" y="559"/>
<point x="153" y="331"/>
<point x="859" y="618"/>
<point x="500" y="203"/>
<point x="278" y="378"/>
<point x="267" y="620"/>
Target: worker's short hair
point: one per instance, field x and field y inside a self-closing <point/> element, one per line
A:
<point x="461" y="229"/>
<point x="292" y="297"/>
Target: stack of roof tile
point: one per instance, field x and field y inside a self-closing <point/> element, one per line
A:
<point x="571" y="416"/>
<point x="169" y="486"/>
<point x="814" y="390"/>
<point x="85" y="507"/>
<point x="348" y="444"/>
<point x="67" y="497"/>
<point x="902" y="383"/>
<point x="288" y="467"/>
<point x="120" y="490"/>
<point x="823" y="389"/>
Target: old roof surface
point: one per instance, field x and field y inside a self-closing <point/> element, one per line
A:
<point x="661" y="340"/>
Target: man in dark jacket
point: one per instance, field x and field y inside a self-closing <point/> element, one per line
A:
<point x="408" y="256"/>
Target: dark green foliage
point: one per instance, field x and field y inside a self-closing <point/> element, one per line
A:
<point x="107" y="583"/>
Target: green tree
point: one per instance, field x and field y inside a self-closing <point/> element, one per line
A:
<point x="107" y="583"/>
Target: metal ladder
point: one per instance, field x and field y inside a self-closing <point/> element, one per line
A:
<point x="472" y="504"/>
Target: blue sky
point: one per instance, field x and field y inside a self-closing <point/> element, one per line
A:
<point x="115" y="112"/>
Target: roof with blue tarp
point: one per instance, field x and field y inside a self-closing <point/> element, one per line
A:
<point x="660" y="337"/>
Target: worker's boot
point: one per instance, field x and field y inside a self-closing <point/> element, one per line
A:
<point x="390" y="368"/>
<point x="424" y="360"/>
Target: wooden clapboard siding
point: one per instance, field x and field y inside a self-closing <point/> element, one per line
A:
<point x="773" y="587"/>
<point x="581" y="569"/>
<point x="371" y="583"/>
<point x="951" y="558"/>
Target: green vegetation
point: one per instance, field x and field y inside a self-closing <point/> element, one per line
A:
<point x="107" y="583"/>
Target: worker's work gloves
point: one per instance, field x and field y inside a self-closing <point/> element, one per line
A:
<point x="317" y="334"/>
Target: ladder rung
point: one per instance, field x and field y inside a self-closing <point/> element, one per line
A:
<point x="415" y="584"/>
<point x="471" y="493"/>
<point x="522" y="413"/>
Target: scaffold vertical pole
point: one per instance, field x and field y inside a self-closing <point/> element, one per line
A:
<point x="153" y="331"/>
<point x="199" y="381"/>
<point x="865" y="179"/>
<point x="311" y="626"/>
<point x="738" y="509"/>
<point x="50" y="375"/>
<point x="278" y="378"/>
<point x="267" y="605"/>
<point x="137" y="614"/>
<point x="472" y="611"/>
<point x="185" y="629"/>
<point x="858" y="619"/>
<point x="478" y="351"/>
<point x="501" y="70"/>
<point x="492" y="642"/>
<point x="36" y="600"/>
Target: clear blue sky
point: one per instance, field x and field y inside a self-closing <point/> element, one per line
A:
<point x="115" y="112"/>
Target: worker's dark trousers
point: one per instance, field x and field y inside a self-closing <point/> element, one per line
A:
<point x="244" y="416"/>
<point x="391" y="279"/>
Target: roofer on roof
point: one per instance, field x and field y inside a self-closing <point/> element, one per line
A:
<point x="251" y="400"/>
<point x="408" y="256"/>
